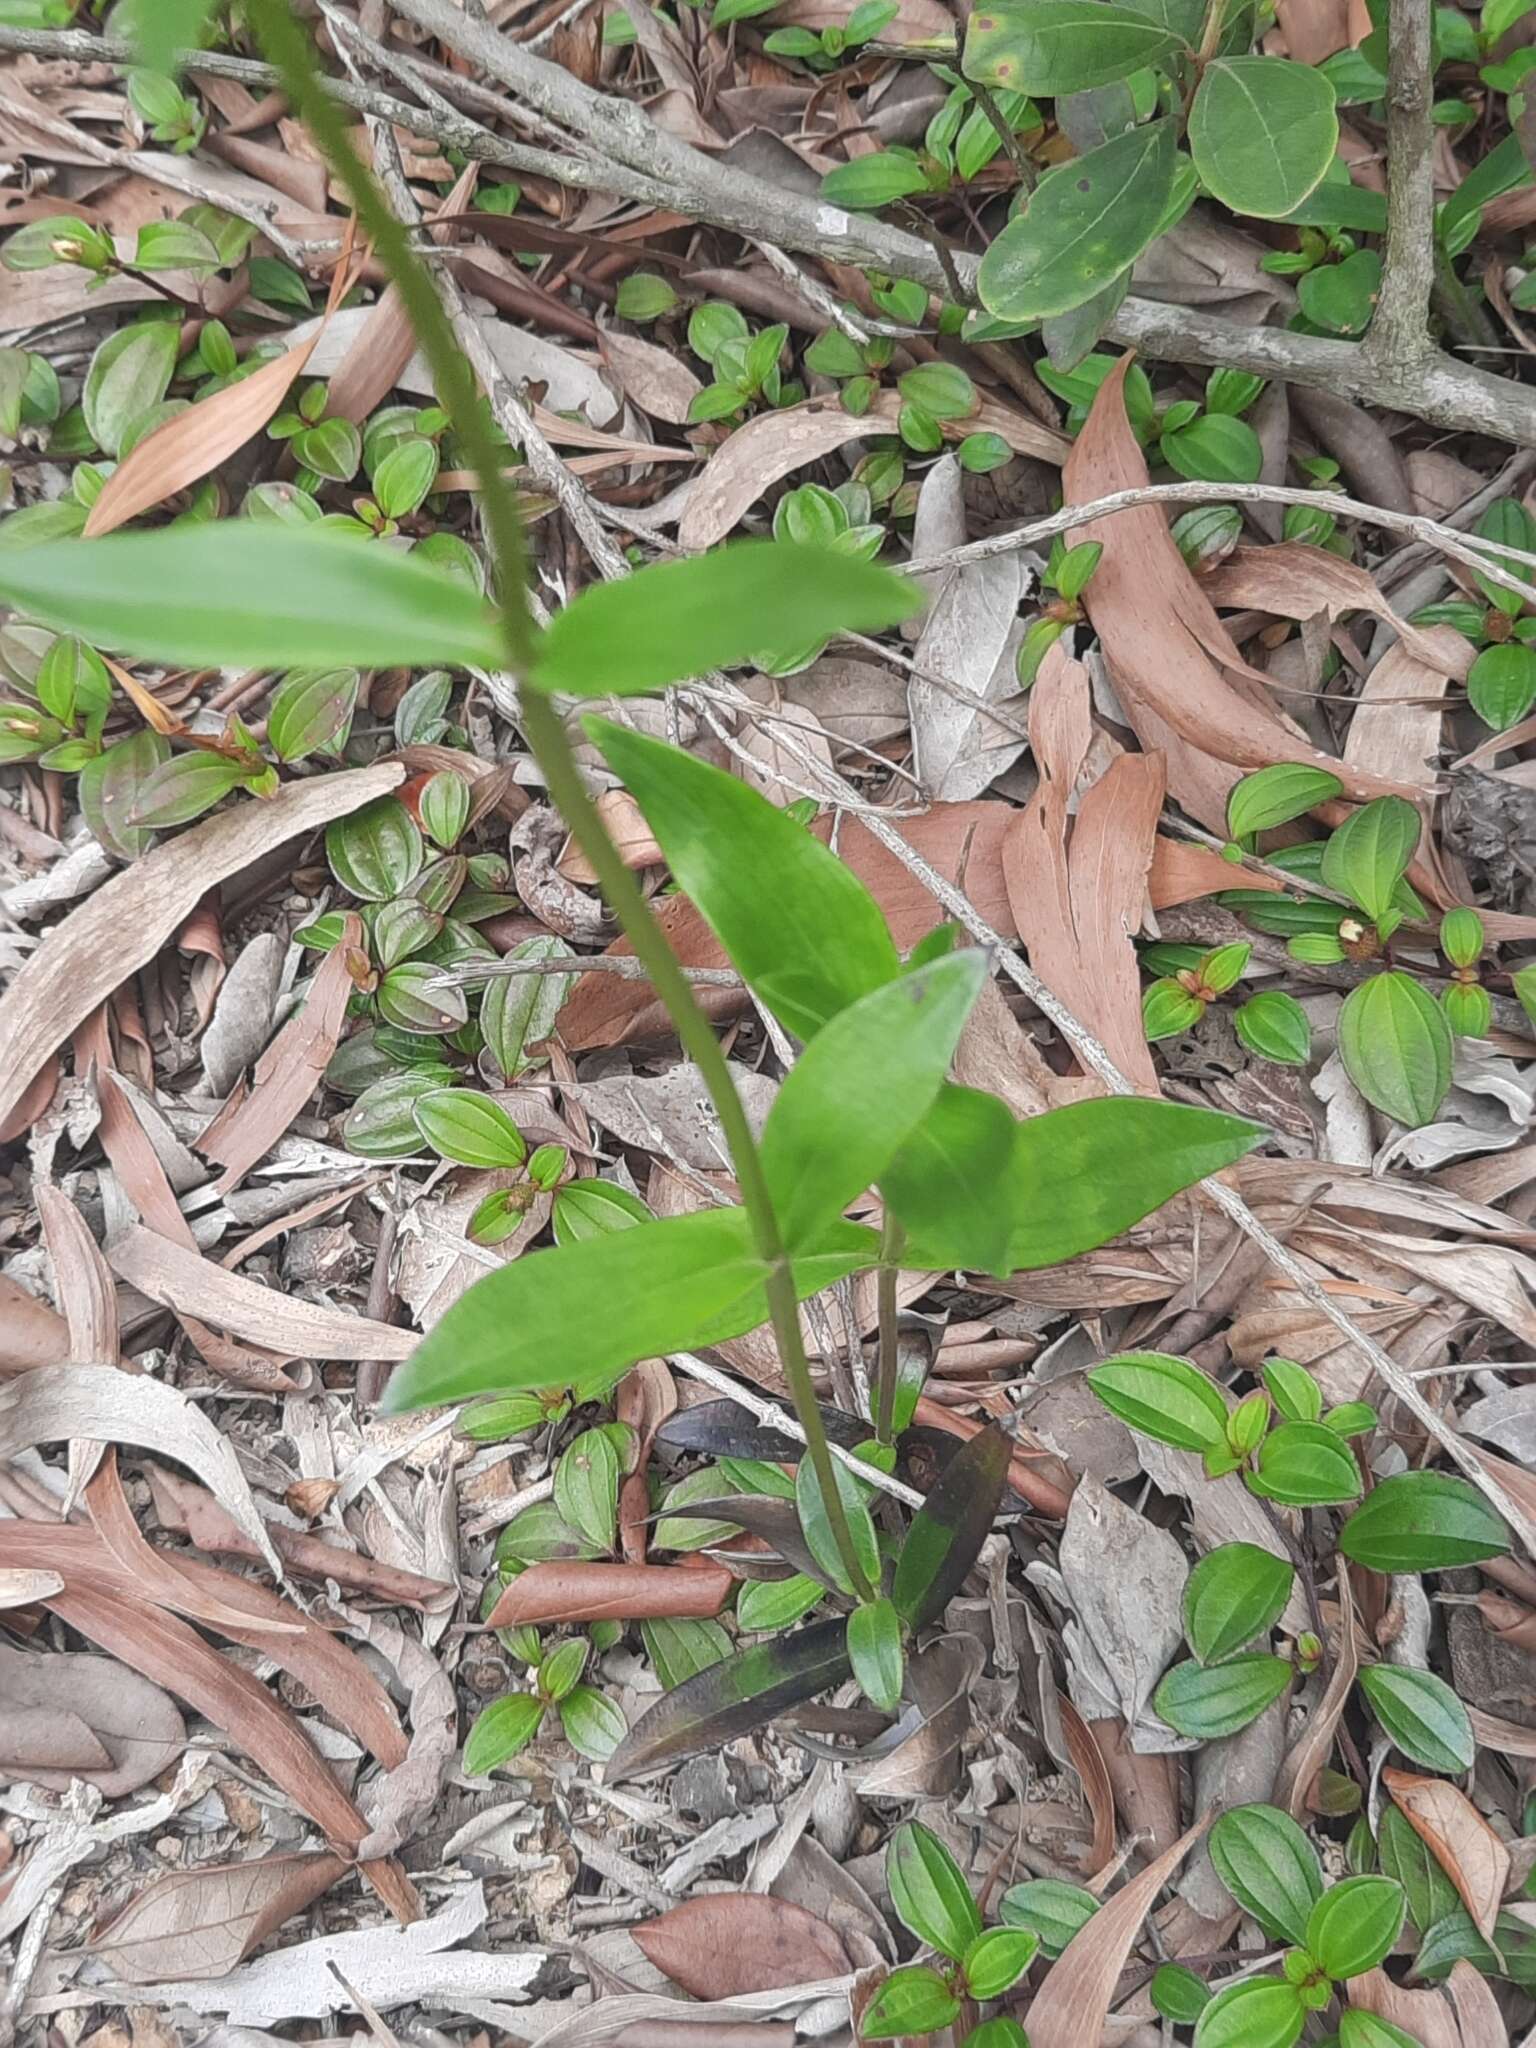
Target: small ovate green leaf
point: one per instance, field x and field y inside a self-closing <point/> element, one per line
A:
<point x="1259" y="2012"/>
<point x="130" y="373"/>
<point x="731" y="1698"/>
<point x="1368" y="855"/>
<point x="1053" y="47"/>
<point x="1361" y="2029"/>
<point x="1235" y="1592"/>
<point x="463" y="1125"/>
<point x="862" y="1085"/>
<point x="239" y="594"/>
<point x="1217" y="448"/>
<point x="583" y="1312"/>
<point x="1168" y="1009"/>
<point x="1423" y="1522"/>
<point x="1179" y="1994"/>
<point x="1354" y="1925"/>
<point x="1274" y="796"/>
<point x="587" y="1487"/>
<point x="680" y="1650"/>
<point x="870" y="182"/>
<point x="1212" y="1701"/>
<point x="943" y="390"/>
<point x="1048" y="1908"/>
<point x="1165" y="1398"/>
<point x="875" y="1652"/>
<point x="950" y="1527"/>
<point x="443" y="807"/>
<point x="505" y="1728"/>
<point x="1269" y="1867"/>
<point x="998" y="2033"/>
<point x="409" y="998"/>
<point x="183" y="788"/>
<point x="310" y="709"/>
<point x="1084" y="1173"/>
<point x="161" y="29"/>
<point x="1421" y="1715"/>
<point x="680" y="619"/>
<point x="1341" y="297"/>
<point x="563" y="1667"/>
<point x="1274" y="1026"/>
<point x="518" y="1011"/>
<point x="381" y="1124"/>
<point x="914" y="2000"/>
<point x="1296" y="1395"/>
<point x="376" y="853"/>
<point x="1396" y="1046"/>
<point x="1262" y="132"/>
<point x="929" y="1891"/>
<point x="996" y="1960"/>
<point x="1085" y="222"/>
<point x="591" y="1208"/>
<point x="109" y="787"/>
<point x="1306" y="1465"/>
<point x="774" y="1604"/>
<point x="593" y="1725"/>
<point x="813" y="943"/>
<point x="1501" y="684"/>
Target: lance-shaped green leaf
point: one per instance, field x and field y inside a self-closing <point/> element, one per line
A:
<point x="581" y="1313"/>
<point x="809" y="945"/>
<point x="733" y="1697"/>
<point x="949" y="1529"/>
<point x="1082" y="1174"/>
<point x="679" y="619"/>
<point x="862" y="1084"/>
<point x="242" y="594"/>
<point x="1368" y="855"/>
<point x="874" y="1650"/>
<point x="929" y="1891"/>
<point x="816" y="1524"/>
<point x="1084" y="223"/>
<point x="1060" y="46"/>
<point x="1263" y="132"/>
<point x="1422" y="1716"/>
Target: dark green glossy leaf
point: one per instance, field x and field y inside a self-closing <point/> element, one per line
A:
<point x="733" y="1697"/>
<point x="950" y="1528"/>
<point x="1269" y="1867"/>
<point x="183" y="788"/>
<point x="587" y="1487"/>
<point x="583" y="1312"/>
<point x="680" y="619"/>
<point x="1235" y="1592"/>
<point x="1422" y="1522"/>
<point x="129" y="374"/>
<point x="929" y="1891"/>
<point x="1421" y="1715"/>
<point x="1212" y="1701"/>
<point x="1354" y="1925"/>
<point x="237" y="594"/>
<point x="109" y="786"/>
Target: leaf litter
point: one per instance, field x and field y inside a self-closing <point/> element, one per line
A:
<point x="218" y="1239"/>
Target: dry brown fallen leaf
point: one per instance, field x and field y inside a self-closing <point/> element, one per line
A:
<point x="289" y="1071"/>
<point x="132" y="1723"/>
<point x="727" y="1943"/>
<point x="198" y="1924"/>
<point x="1093" y="1774"/>
<point x="568" y="1591"/>
<point x="1295" y="581"/>
<point x="1457" y="1836"/>
<point x="31" y="1333"/>
<point x="384" y="343"/>
<point x="1184" y="686"/>
<point x="189" y="1510"/>
<point x="1077" y="893"/>
<point x="1074" y="2004"/>
<point x="1293" y="1788"/>
<point x="184" y="1280"/>
<point x="653" y="378"/>
<point x="646" y="1396"/>
<point x="126" y="921"/>
<point x="84" y="1289"/>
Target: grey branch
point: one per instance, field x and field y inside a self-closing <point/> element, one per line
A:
<point x="1399" y="335"/>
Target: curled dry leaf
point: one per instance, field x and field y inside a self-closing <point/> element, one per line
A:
<point x="1425" y="2016"/>
<point x="569" y="1591"/>
<point x="1467" y="1849"/>
<point x="1077" y="900"/>
<point x="646" y="1396"/>
<point x="56" y="1709"/>
<point x="729" y="1942"/>
<point x="1295" y="581"/>
<point x="1074" y="2004"/>
<point x="925" y="1760"/>
<point x="1293" y="1789"/>
<point x="184" y="1280"/>
<point x="85" y="1291"/>
<point x="1183" y="685"/>
<point x="126" y="922"/>
<point x="31" y="1333"/>
<point x="200" y="1923"/>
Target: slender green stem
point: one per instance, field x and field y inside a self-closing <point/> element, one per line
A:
<point x="288" y="48"/>
<point x="892" y="1237"/>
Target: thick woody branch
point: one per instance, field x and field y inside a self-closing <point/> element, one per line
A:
<point x="1399" y="335"/>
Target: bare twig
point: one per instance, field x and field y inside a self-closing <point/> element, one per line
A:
<point x="623" y="965"/>
<point x="1399" y="332"/>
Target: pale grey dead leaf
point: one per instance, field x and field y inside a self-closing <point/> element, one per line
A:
<point x="241" y="1022"/>
<point x="57" y="1403"/>
<point x="1238" y="1772"/>
<point x="938" y="525"/>
<point x="655" y="379"/>
<point x="1124" y="1581"/>
<point x="1221" y="1511"/>
<point x="435" y="1264"/>
<point x="924" y="1762"/>
<point x="862" y="703"/>
<point x="1507" y="1420"/>
<point x="399" y="1804"/>
<point x="970" y="637"/>
<point x="207" y="1919"/>
<point x="670" y="1113"/>
<point x="387" y="1965"/>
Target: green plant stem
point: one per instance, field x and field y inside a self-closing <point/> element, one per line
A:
<point x="288" y="48"/>
<point x="892" y="1237"/>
